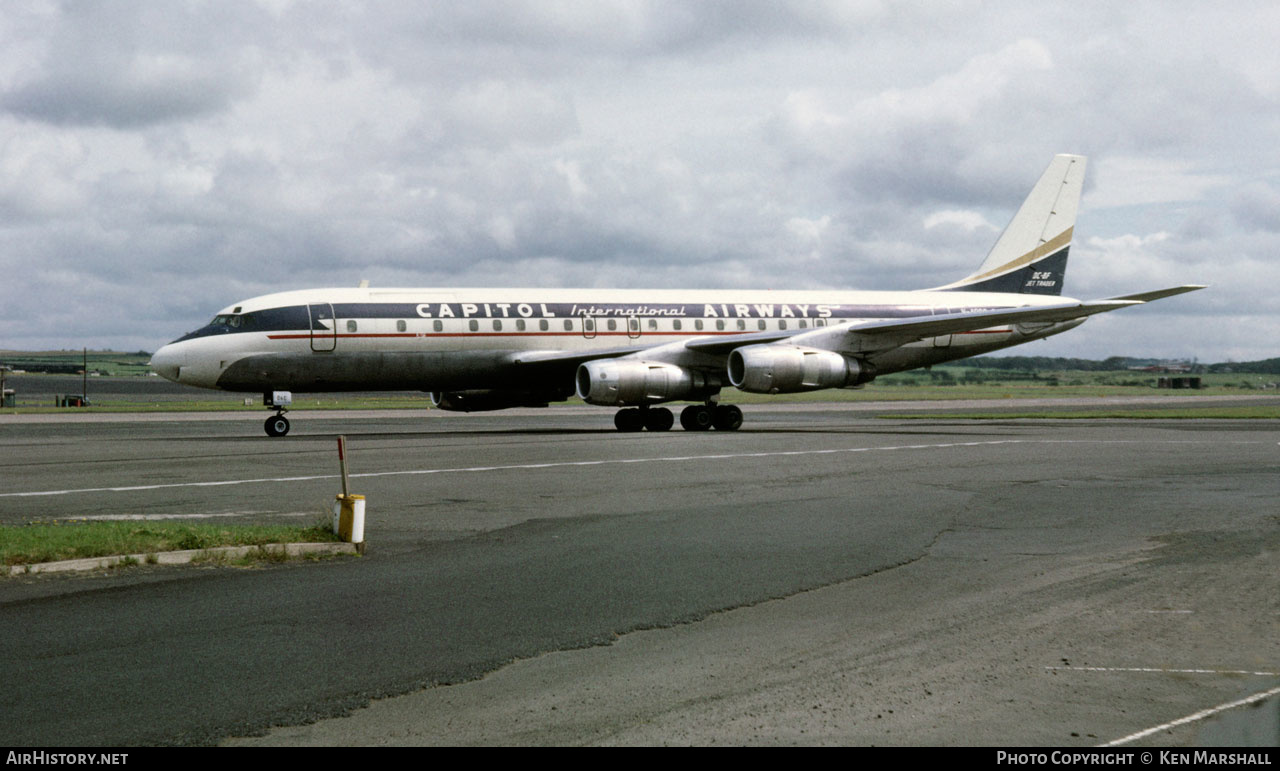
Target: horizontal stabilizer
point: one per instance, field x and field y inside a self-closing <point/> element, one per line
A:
<point x="1157" y="294"/>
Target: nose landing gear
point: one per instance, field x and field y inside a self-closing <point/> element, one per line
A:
<point x="278" y="424"/>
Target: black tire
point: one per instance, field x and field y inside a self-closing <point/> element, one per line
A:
<point x="658" y="419"/>
<point x="277" y="425"/>
<point x="726" y="417"/>
<point x="695" y="417"/>
<point x="628" y="420"/>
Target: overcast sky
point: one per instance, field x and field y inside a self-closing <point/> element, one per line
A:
<point x="162" y="160"/>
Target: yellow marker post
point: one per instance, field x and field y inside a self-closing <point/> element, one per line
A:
<point x="348" y="509"/>
<point x="351" y="519"/>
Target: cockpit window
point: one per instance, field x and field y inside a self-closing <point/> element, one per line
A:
<point x="292" y="317"/>
<point x="230" y="320"/>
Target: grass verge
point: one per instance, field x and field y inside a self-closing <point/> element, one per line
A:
<point x="1165" y="413"/>
<point x="77" y="539"/>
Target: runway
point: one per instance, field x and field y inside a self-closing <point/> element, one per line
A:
<point x="820" y="577"/>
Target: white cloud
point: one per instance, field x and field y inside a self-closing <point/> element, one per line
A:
<point x="190" y="154"/>
<point x="963" y="219"/>
<point x="1128" y="181"/>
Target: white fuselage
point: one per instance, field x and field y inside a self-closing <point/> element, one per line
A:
<point x="431" y="339"/>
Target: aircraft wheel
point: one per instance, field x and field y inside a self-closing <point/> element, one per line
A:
<point x="726" y="417"/>
<point x="658" y="419"/>
<point x="628" y="420"/>
<point x="695" y="417"/>
<point x="277" y="425"/>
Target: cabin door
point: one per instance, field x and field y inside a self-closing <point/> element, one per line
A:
<point x="324" y="327"/>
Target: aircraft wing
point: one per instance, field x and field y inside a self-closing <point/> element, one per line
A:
<point x="710" y="344"/>
<point x="569" y="358"/>
<point x="859" y="336"/>
<point x="891" y="333"/>
<point x="945" y="324"/>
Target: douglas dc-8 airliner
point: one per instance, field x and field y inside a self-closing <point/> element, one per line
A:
<point x="491" y="349"/>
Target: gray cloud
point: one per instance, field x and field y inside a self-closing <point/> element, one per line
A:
<point x="130" y="65"/>
<point x="182" y="156"/>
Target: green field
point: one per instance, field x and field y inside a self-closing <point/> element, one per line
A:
<point x="1188" y="412"/>
<point x="76" y="539"/>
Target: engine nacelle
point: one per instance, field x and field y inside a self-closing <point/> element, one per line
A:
<point x="781" y="369"/>
<point x="485" y="400"/>
<point x="616" y="382"/>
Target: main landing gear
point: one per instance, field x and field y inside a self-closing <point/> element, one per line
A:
<point x="695" y="417"/>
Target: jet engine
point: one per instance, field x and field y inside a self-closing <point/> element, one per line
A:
<point x="615" y="382"/>
<point x="485" y="400"/>
<point x="774" y="369"/>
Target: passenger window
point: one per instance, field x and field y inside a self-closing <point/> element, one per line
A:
<point x="719" y="323"/>
<point x="474" y="325"/>
<point x="803" y="324"/>
<point x="437" y="325"/>
<point x="568" y="325"/>
<point x="613" y="324"/>
<point x="589" y="325"/>
<point x="497" y="325"/>
<point x="761" y="324"/>
<point x="400" y="325"/>
<point x="653" y="325"/>
<point x="351" y="325"/>
<point x="742" y="323"/>
<point x="676" y="325"/>
<point x="543" y="325"/>
<point x="782" y="323"/>
<point x="519" y="325"/>
<point x="820" y="322"/>
<point x="698" y="324"/>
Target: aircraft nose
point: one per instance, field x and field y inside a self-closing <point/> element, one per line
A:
<point x="168" y="361"/>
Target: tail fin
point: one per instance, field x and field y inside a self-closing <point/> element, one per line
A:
<point x="1030" y="257"/>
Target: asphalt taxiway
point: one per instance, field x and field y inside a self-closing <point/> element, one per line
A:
<point x="535" y="577"/>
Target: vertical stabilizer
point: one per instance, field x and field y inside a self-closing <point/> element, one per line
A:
<point x="1030" y="257"/>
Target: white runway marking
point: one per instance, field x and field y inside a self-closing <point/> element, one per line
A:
<point x="158" y="517"/>
<point x="1167" y="671"/>
<point x="518" y="467"/>
<point x="1201" y="715"/>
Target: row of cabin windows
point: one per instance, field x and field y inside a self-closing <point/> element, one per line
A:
<point x="633" y="324"/>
